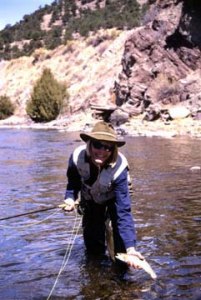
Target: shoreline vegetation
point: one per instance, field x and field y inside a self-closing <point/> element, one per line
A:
<point x="84" y="121"/>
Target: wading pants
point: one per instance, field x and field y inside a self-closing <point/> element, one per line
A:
<point x="94" y="217"/>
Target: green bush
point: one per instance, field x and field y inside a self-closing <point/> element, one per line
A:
<point x="6" y="107"/>
<point x="47" y="98"/>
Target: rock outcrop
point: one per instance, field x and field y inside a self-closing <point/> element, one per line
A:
<point x="161" y="64"/>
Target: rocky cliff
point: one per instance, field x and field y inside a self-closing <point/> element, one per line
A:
<point x="161" y="64"/>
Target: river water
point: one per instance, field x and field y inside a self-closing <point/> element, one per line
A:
<point x="42" y="255"/>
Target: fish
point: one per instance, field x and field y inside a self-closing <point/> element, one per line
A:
<point x="109" y="239"/>
<point x="141" y="263"/>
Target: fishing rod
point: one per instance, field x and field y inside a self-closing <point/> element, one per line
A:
<point x="33" y="212"/>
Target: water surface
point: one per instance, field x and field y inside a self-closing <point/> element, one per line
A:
<point x="36" y="247"/>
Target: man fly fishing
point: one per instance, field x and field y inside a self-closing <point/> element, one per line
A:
<point x="99" y="172"/>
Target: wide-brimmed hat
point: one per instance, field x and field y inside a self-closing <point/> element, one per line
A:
<point x="104" y="132"/>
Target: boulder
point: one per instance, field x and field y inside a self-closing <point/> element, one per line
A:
<point x="179" y="112"/>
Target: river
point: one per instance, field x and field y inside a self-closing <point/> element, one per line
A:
<point x="42" y="254"/>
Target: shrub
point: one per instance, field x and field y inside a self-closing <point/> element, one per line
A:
<point x="6" y="107"/>
<point x="47" y="98"/>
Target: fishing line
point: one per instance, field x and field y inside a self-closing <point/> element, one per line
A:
<point x="67" y="253"/>
<point x="70" y="245"/>
<point x="33" y="223"/>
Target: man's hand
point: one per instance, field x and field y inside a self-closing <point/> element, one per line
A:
<point x="130" y="258"/>
<point x="69" y="204"/>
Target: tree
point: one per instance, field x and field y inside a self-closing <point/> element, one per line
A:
<point x="6" y="107"/>
<point x="47" y="98"/>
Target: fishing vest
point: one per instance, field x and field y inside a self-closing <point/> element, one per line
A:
<point x="101" y="190"/>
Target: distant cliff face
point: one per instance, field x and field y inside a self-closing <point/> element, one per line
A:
<point x="161" y="64"/>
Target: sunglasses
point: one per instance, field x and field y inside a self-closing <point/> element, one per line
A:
<point x="99" y="145"/>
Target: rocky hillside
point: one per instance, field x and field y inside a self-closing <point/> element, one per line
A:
<point x="88" y="67"/>
<point x="149" y="73"/>
<point x="55" y="24"/>
<point x="161" y="64"/>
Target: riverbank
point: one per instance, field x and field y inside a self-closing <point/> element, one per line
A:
<point x="181" y="127"/>
<point x="135" y="127"/>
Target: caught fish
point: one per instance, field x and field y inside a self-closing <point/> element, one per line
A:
<point x="141" y="263"/>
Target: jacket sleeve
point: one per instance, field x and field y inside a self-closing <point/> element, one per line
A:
<point x="125" y="221"/>
<point x="74" y="180"/>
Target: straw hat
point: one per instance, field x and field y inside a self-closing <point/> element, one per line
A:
<point x="104" y="132"/>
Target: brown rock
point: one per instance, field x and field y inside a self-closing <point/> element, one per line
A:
<point x="162" y="59"/>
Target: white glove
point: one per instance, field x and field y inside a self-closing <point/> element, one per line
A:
<point x="69" y="204"/>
